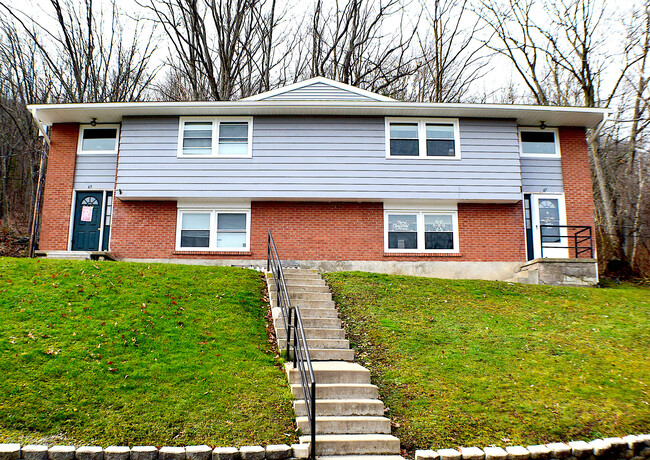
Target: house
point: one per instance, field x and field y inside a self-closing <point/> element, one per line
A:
<point x="344" y="178"/>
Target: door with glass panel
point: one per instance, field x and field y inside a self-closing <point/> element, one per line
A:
<point x="548" y="217"/>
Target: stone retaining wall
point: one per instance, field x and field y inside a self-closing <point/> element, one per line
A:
<point x="41" y="452"/>
<point x="627" y="448"/>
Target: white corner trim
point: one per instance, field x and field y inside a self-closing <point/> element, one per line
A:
<point x="556" y="133"/>
<point x="311" y="81"/>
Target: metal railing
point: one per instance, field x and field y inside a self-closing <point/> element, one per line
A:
<point x="581" y="238"/>
<point x="297" y="349"/>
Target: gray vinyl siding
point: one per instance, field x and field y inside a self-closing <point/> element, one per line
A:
<point x="96" y="171"/>
<point x="319" y="92"/>
<point x="319" y="158"/>
<point x="541" y="175"/>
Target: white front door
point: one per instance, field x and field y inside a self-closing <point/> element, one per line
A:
<point x="547" y="209"/>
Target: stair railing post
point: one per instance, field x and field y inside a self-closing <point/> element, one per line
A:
<point x="295" y="338"/>
<point x="312" y="421"/>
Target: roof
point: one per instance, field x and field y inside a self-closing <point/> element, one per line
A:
<point x="318" y="96"/>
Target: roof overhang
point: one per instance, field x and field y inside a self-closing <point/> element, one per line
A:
<point x="525" y="115"/>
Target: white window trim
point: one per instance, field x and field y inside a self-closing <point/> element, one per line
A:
<point x="213" y="211"/>
<point x="82" y="128"/>
<point x="215" y="136"/>
<point x="557" y="153"/>
<point x="420" y="231"/>
<point x="422" y="137"/>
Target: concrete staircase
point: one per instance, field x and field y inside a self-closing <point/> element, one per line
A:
<point x="350" y="420"/>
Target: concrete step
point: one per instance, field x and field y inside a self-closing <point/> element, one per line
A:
<point x="354" y="444"/>
<point x="303" y="303"/>
<point x="315" y="333"/>
<point x="342" y="407"/>
<point x="346" y="425"/>
<point x="320" y="323"/>
<point x="340" y="391"/>
<point x="291" y="287"/>
<point x="334" y="372"/>
<point x="324" y="344"/>
<point x="288" y="274"/>
<point x="316" y="354"/>
<point x="361" y="457"/>
<point x="311" y="312"/>
<point x="303" y="295"/>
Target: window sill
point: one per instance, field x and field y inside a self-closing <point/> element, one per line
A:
<point x="213" y="253"/>
<point x="422" y="254"/>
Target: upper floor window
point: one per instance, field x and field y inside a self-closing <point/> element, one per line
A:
<point x="215" y="137"/>
<point x="422" y="138"/>
<point x="537" y="142"/>
<point x="100" y="139"/>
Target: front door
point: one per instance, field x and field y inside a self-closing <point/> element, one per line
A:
<point x="87" y="221"/>
<point x="548" y="215"/>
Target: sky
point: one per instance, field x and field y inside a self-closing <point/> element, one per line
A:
<point x="500" y="73"/>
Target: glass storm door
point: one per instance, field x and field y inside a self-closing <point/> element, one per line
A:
<point x="549" y="210"/>
<point x="87" y="221"/>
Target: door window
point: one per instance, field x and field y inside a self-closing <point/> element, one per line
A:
<point x="549" y="214"/>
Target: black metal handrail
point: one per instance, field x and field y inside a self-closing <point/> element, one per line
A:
<point x="296" y="348"/>
<point x="581" y="235"/>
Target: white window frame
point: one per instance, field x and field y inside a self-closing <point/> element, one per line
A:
<point x="83" y="128"/>
<point x="215" y="136"/>
<point x="212" y="245"/>
<point x="556" y="133"/>
<point x="422" y="137"/>
<point x="420" y="230"/>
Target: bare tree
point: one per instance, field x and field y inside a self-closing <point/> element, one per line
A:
<point x="450" y="55"/>
<point x="349" y="43"/>
<point x="220" y="49"/>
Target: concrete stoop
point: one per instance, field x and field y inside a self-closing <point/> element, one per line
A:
<point x="558" y="272"/>
<point x="350" y="420"/>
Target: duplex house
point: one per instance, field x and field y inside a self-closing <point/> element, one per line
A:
<point x="344" y="179"/>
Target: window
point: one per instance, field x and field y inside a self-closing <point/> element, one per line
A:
<point x="440" y="140"/>
<point x="404" y="139"/>
<point x="424" y="231"/>
<point x="215" y="137"/>
<point x="197" y="138"/>
<point x="537" y="142"/>
<point x="195" y="230"/>
<point x="213" y="230"/>
<point x="100" y="139"/>
<point x="422" y="138"/>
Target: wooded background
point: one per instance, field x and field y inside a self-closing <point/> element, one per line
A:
<point x="565" y="52"/>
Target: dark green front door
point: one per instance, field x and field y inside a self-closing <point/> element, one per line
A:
<point x="87" y="221"/>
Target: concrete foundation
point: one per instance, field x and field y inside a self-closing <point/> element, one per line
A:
<point x="559" y="272"/>
<point x="497" y="271"/>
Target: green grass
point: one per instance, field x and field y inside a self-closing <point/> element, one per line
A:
<point x="122" y="353"/>
<point x="481" y="363"/>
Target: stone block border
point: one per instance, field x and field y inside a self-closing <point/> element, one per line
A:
<point x="630" y="447"/>
<point x="41" y="452"/>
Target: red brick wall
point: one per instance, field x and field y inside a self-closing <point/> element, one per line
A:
<point x="578" y="191"/>
<point x="143" y="229"/>
<point x="319" y="231"/>
<point x="57" y="195"/>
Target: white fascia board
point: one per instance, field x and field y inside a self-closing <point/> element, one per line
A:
<point x="311" y="81"/>
<point x="525" y="115"/>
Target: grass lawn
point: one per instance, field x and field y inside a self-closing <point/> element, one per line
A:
<point x="476" y="363"/>
<point x="122" y="353"/>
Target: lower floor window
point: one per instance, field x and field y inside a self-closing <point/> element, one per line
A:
<point x="213" y="230"/>
<point x="421" y="231"/>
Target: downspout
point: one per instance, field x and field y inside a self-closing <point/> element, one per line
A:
<point x="33" y="231"/>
